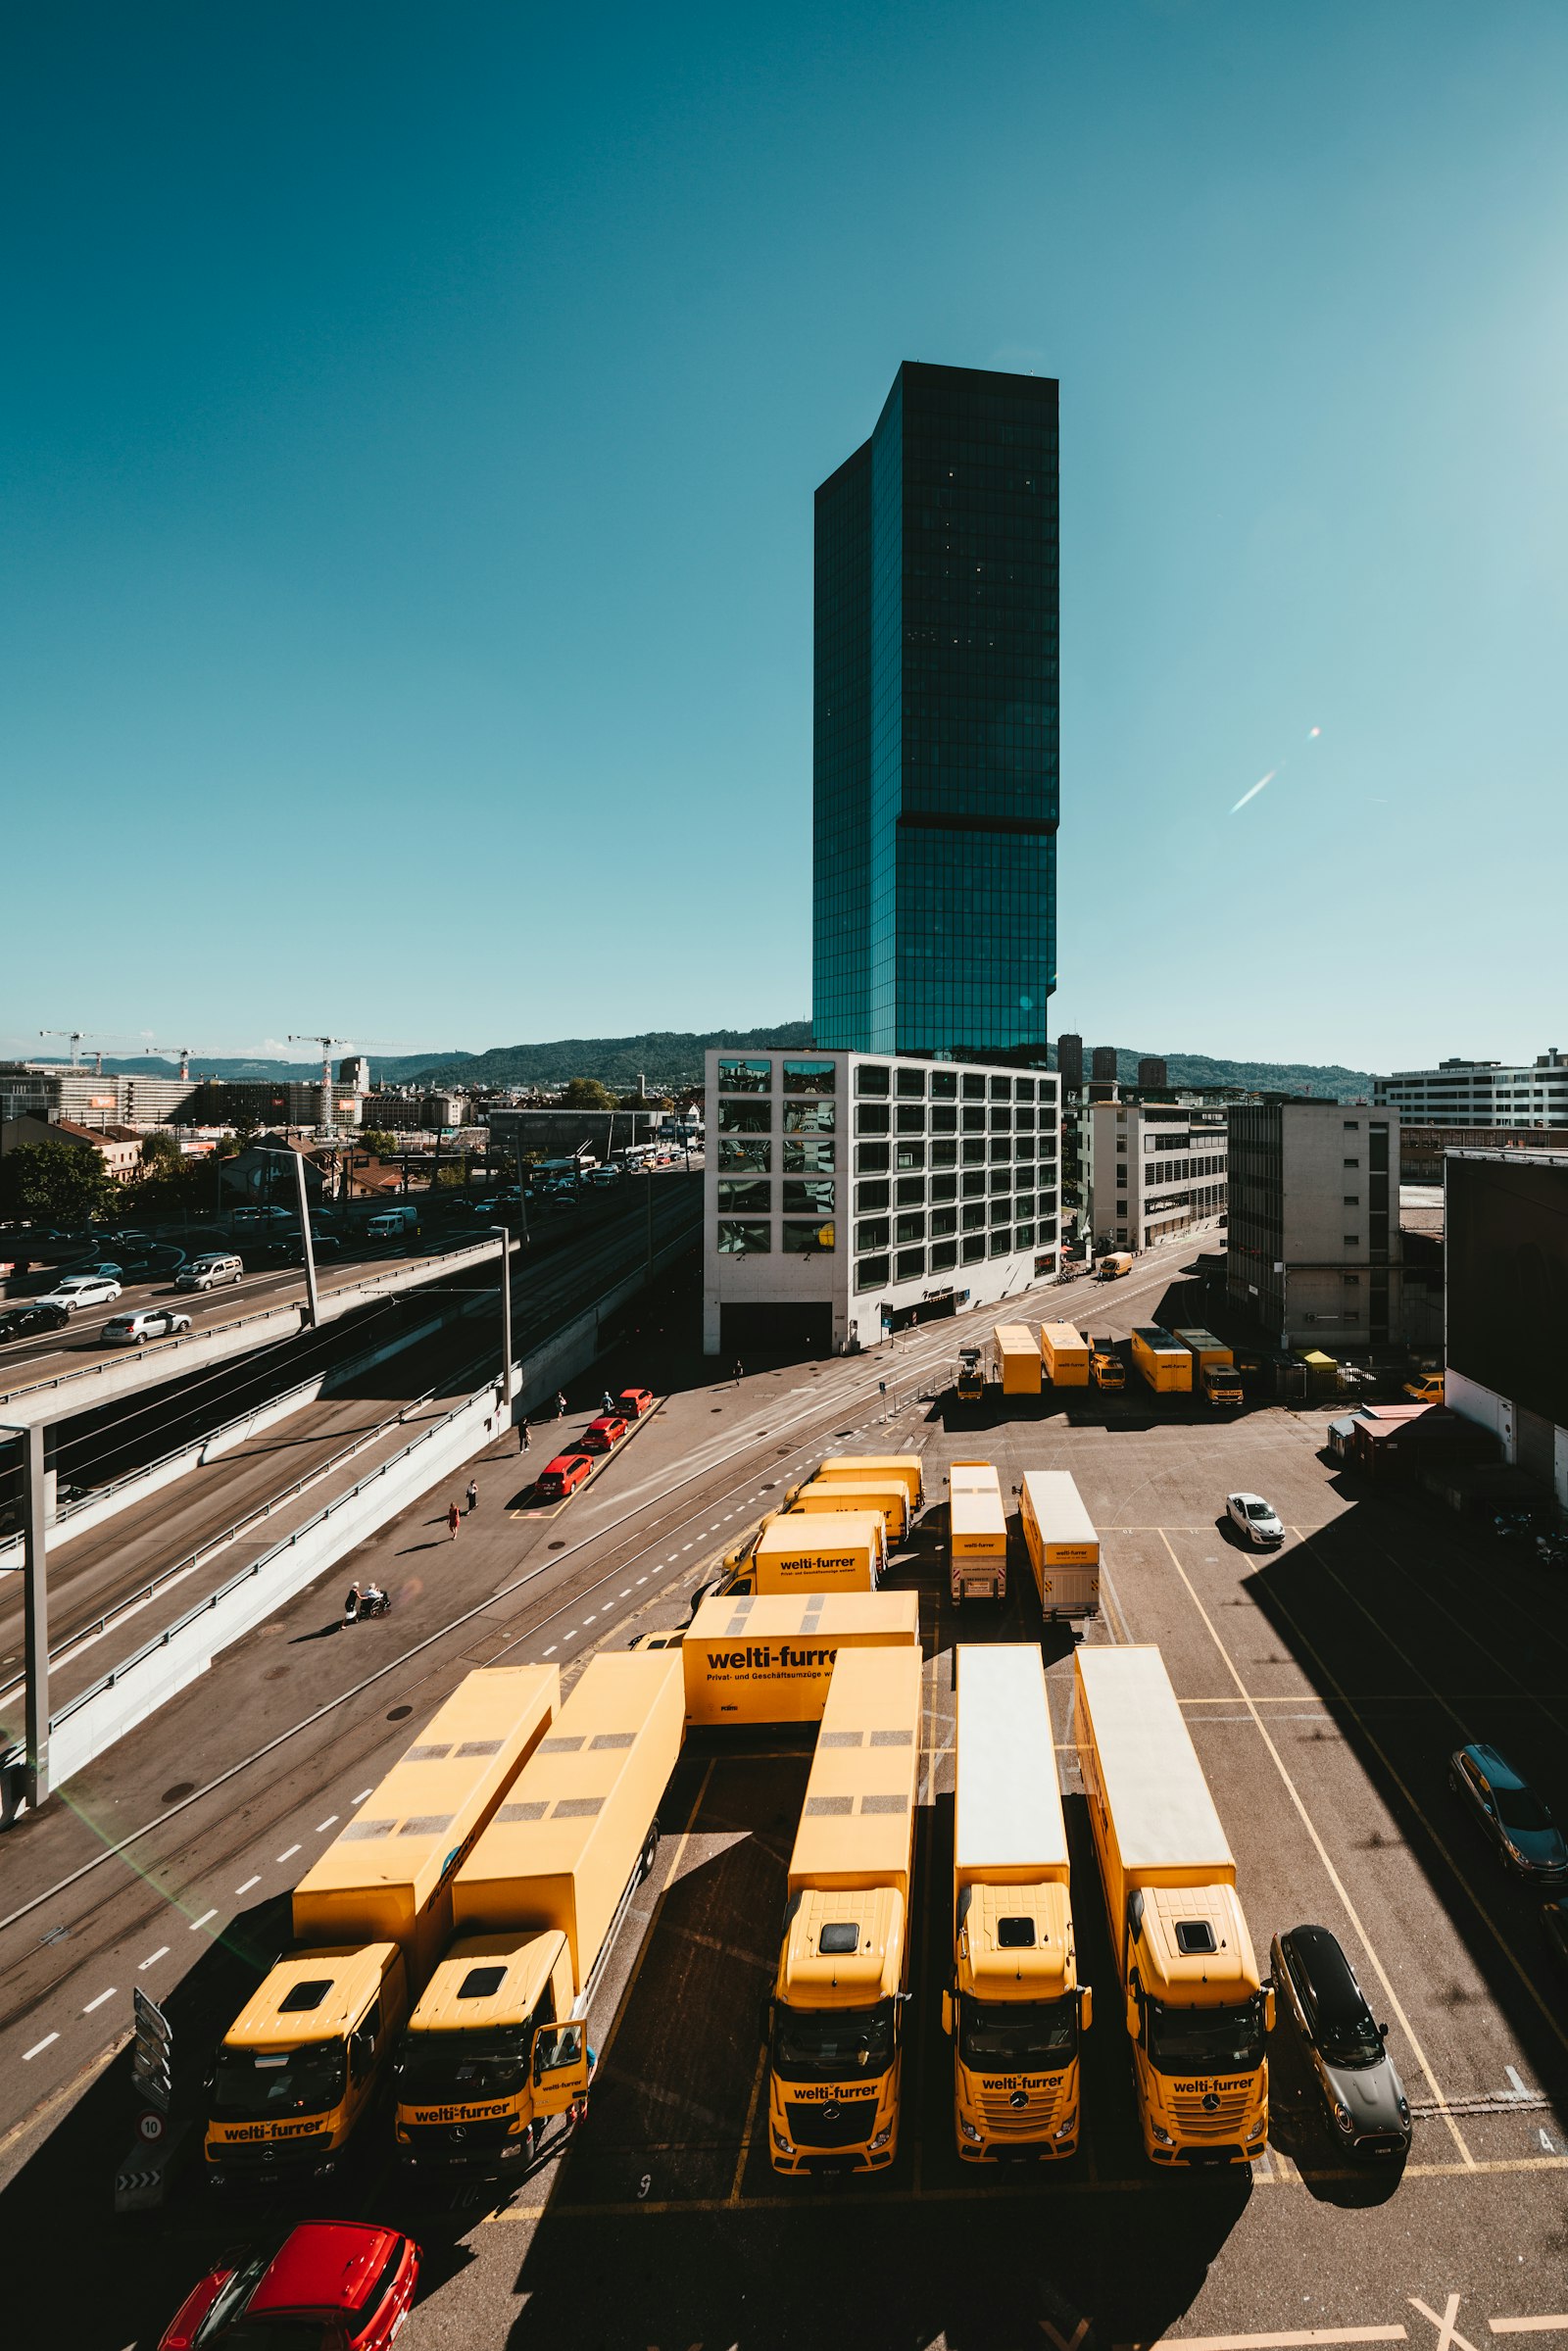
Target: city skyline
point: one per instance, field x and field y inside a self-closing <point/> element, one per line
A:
<point x="440" y="502"/>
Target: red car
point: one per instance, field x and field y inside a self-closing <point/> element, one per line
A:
<point x="562" y="1476"/>
<point x="334" y="2285"/>
<point x="603" y="1435"/>
<point x="633" y="1402"/>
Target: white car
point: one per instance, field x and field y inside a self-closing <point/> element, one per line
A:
<point x="80" y="1289"/>
<point x="1256" y="1519"/>
<point x="144" y="1323"/>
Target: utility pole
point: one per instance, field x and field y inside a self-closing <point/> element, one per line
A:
<point x="505" y="1318"/>
<point x="307" y="1244"/>
<point x="650" y="1223"/>
<point x="35" y="1630"/>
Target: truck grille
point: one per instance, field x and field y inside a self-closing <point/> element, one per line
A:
<point x="1036" y="2119"/>
<point x="445" y="2136"/>
<point x="272" y="2155"/>
<point x="843" y="2122"/>
<point x="1223" y="2120"/>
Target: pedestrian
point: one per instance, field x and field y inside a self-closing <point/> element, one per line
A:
<point x="472" y="1495"/>
<point x="561" y="1404"/>
<point x="524" y="1427"/>
<point x="740" y="1371"/>
<point x="351" y="1606"/>
<point x="577" y="2111"/>
<point x="453" y="1516"/>
<point x="606" y="1402"/>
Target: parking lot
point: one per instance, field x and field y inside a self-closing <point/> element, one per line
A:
<point x="1325" y="1685"/>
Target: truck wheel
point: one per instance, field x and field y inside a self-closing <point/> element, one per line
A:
<point x="649" y="1849"/>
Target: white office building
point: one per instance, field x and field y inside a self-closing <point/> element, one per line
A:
<point x="848" y="1195"/>
<point x="1156" y="1170"/>
<point x="1313" y="1249"/>
<point x="1480" y="1094"/>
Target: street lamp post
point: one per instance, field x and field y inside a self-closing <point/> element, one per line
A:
<point x="505" y="1238"/>
<point x="35" y="1630"/>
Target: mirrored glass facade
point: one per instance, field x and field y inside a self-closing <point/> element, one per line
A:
<point x="936" y="723"/>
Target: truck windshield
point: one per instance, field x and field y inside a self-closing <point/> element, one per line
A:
<point x="1206" y="2040"/>
<point x="436" y="2068"/>
<point x="832" y="2044"/>
<point x="1017" y="2036"/>
<point x="277" y="2081"/>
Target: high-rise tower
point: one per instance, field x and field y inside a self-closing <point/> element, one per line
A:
<point x="936" y="723"/>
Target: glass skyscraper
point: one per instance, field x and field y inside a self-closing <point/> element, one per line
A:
<point x="934" y="906"/>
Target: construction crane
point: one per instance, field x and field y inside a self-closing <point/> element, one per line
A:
<point x="326" y="1043"/>
<point x="76" y="1036"/>
<point x="184" y="1052"/>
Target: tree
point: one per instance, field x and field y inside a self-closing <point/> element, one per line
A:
<point x="587" y="1094"/>
<point x="380" y="1143"/>
<point x="60" y="1183"/>
<point x="645" y="1101"/>
<point x="160" y="1153"/>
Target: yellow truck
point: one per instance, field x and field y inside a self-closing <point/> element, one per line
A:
<point x="889" y="1496"/>
<point x="978" y="1533"/>
<point x="969" y="1380"/>
<point x="1016" y="2008"/>
<point x="1062" y="1544"/>
<point x="1161" y="1360"/>
<point x="836" y="2025"/>
<point x="498" y="2042"/>
<point x="308" y="2053"/>
<point x="875" y="1469"/>
<point x="771" y="1660"/>
<point x="1105" y="1366"/>
<point x="1015" y="1364"/>
<point x="1065" y="1352"/>
<point x="1197" y="2012"/>
<point x="1214" y="1372"/>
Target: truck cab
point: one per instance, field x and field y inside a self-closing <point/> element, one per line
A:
<point x="301" y="2063"/>
<point x="969" y="1385"/>
<point x="492" y="2050"/>
<point x="1016" y="2013"/>
<point x="1105" y="1366"/>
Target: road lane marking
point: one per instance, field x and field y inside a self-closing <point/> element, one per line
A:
<point x="98" y="2004"/>
<point x="202" y="1921"/>
<point x="288" y="1853"/>
<point x="550" y="1652"/>
<point x="1335" y="1879"/>
<point x="589" y="1618"/>
<point x="1556" y="2324"/>
<point x="624" y="1596"/>
<point x="1287" y="2342"/>
<point x="152" y="1958"/>
<point x="1519" y="2089"/>
<point x="323" y="1825"/>
<point x="246" y="1888"/>
<point x="363" y="1793"/>
<point x="39" y="2046"/>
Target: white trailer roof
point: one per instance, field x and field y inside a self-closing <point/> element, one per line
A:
<point x="1008" y="1813"/>
<point x="1155" y="1784"/>
<point x="1058" y="1506"/>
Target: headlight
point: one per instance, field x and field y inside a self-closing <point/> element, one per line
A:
<point x="1259" y="2128"/>
<point x="968" y="2129"/>
<point x="781" y="2142"/>
<point x="1342" y="2118"/>
<point x="1404" y="2109"/>
<point x="880" y="2141"/>
<point x="1065" y="2130"/>
<point x="1162" y="2138"/>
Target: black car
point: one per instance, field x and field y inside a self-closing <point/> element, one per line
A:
<point x="1362" y="2095"/>
<point x="1509" y="1814"/>
<point x="20" y="1321"/>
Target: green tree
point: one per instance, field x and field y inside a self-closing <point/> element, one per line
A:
<point x="160" y="1153"/>
<point x="645" y="1101"/>
<point x="60" y="1183"/>
<point x="587" y="1094"/>
<point x="380" y="1143"/>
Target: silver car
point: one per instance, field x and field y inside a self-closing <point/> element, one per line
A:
<point x="79" y="1290"/>
<point x="144" y="1323"/>
<point x="1362" y="2095"/>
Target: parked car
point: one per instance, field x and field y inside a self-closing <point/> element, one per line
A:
<point x="144" y="1323"/>
<point x="562" y="1476"/>
<point x="29" y="1315"/>
<point x="1256" y="1519"/>
<point x="603" y="1435"/>
<point x="1509" y="1814"/>
<point x="633" y="1402"/>
<point x="206" y="1271"/>
<point x="104" y="1270"/>
<point x="79" y="1290"/>
<point x="333" y="2285"/>
<point x="1362" y="2094"/>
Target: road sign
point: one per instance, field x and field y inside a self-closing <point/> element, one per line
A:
<point x="151" y="2126"/>
<point x="152" y="2055"/>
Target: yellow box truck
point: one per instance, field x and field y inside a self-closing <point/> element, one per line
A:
<point x="498" y="2042"/>
<point x="837" y="1550"/>
<point x="1163" y="1360"/>
<point x="854" y="1468"/>
<point x="889" y="1496"/>
<point x="771" y="1660"/>
<point x="836" y="2030"/>
<point x="1015" y="2009"/>
<point x="1066" y="1350"/>
<point x="978" y="1533"/>
<point x="1062" y="1544"/>
<point x="1015" y="1360"/>
<point x="1105" y="1366"/>
<point x="1214" y="1372"/>
<point x="308" y="2053"/>
<point x="1196" y="2010"/>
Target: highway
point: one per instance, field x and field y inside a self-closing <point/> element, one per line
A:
<point x="1324" y="1685"/>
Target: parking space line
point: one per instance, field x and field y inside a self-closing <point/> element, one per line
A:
<point x="1555" y="2324"/>
<point x="1285" y="2342"/>
<point x="1335" y="1879"/>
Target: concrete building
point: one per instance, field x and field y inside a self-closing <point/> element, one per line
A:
<point x="558" y="1134"/>
<point x="1422" y="1149"/>
<point x="55" y="1089"/>
<point x="1070" y="1061"/>
<point x="1154" y="1169"/>
<point x="848" y="1195"/>
<point x="1314" y="1248"/>
<point x="1480" y="1094"/>
<point x="1151" y="1076"/>
<point x="1102" y="1064"/>
<point x="118" y="1147"/>
<point x="1507" y="1218"/>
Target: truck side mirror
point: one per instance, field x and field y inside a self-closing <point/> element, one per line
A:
<point x="1135" y="2021"/>
<point x="947" y="2014"/>
<point x="1269" y="2008"/>
<point x="1086" y="2007"/>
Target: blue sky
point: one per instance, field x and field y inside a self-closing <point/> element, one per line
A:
<point x="411" y="419"/>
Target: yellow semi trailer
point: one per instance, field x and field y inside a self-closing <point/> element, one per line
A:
<point x="856" y="1468"/>
<point x="1015" y="1360"/>
<point x="1065" y="1352"/>
<point x="499" y="2039"/>
<point x="1016" y="2008"/>
<point x="771" y="1660"/>
<point x="889" y="1496"/>
<point x="308" y="2053"/>
<point x="836" y="2034"/>
<point x="1196" y="2010"/>
<point x="978" y="1533"/>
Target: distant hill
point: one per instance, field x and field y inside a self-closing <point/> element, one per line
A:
<point x="666" y="1057"/>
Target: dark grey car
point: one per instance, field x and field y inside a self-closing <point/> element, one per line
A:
<point x="1361" y="2092"/>
<point x="1509" y="1814"/>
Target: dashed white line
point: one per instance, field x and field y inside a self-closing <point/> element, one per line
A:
<point x="624" y="1596"/>
<point x="323" y="1825"/>
<point x="550" y="1652"/>
<point x="288" y="1853"/>
<point x="246" y="1888"/>
<point x="39" y="2046"/>
<point x="152" y="1958"/>
<point x="363" y="1793"/>
<point x="202" y="1921"/>
<point x="589" y="1618"/>
<point x="98" y="2004"/>
<point x="642" y="1578"/>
